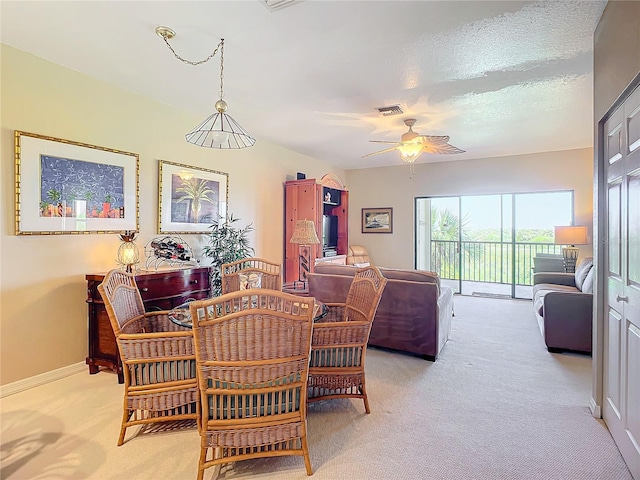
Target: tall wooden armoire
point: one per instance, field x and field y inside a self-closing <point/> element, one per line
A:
<point x="311" y="200"/>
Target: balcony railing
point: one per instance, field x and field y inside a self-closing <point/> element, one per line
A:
<point x="491" y="262"/>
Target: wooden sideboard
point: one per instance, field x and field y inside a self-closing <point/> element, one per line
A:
<point x="160" y="290"/>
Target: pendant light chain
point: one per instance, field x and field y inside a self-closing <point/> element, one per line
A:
<point x="221" y="45"/>
<point x="190" y="62"/>
<point x="219" y="130"/>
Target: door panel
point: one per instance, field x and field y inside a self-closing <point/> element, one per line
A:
<point x="622" y="324"/>
<point x="613" y="230"/>
<point x="633" y="383"/>
<point x="633" y="225"/>
<point x="613" y="362"/>
<point x="614" y="143"/>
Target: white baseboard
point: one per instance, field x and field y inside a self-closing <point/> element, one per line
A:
<point x="595" y="408"/>
<point x="41" y="379"/>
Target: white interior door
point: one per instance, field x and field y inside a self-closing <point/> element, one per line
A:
<point x="622" y="319"/>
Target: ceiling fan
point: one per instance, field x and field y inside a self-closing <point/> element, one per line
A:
<point x="412" y="145"/>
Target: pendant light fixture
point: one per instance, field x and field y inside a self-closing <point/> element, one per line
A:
<point x="220" y="130"/>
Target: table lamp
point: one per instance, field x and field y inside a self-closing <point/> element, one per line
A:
<point x="304" y="236"/>
<point x="570" y="236"/>
<point x="128" y="254"/>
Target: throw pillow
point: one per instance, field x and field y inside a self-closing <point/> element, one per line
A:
<point x="361" y="265"/>
<point x="582" y="271"/>
<point x="587" y="285"/>
<point x="252" y="280"/>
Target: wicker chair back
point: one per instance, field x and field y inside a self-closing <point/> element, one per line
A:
<point x="340" y="341"/>
<point x="158" y="358"/>
<point x="252" y="355"/>
<point x="234" y="274"/>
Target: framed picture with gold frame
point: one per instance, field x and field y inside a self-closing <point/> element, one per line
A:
<point x="377" y="220"/>
<point x="67" y="187"/>
<point x="190" y="199"/>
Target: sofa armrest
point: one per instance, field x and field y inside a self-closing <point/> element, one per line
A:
<point x="568" y="320"/>
<point x="328" y="288"/>
<point x="568" y="279"/>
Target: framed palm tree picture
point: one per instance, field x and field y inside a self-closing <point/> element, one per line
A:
<point x="190" y="199"/>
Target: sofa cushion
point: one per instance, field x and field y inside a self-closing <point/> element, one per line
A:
<point x="543" y="287"/>
<point x="582" y="271"/>
<point x="412" y="275"/>
<point x="327" y="268"/>
<point x="388" y="273"/>
<point x="587" y="285"/>
<point x="540" y="290"/>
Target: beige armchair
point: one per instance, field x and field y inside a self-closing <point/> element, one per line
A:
<point x="358" y="256"/>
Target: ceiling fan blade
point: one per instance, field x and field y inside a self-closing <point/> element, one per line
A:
<point x="384" y="141"/>
<point x="445" y="149"/>
<point x="437" y="139"/>
<point x="380" y="151"/>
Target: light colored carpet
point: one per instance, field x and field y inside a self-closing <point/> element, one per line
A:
<point x="495" y="405"/>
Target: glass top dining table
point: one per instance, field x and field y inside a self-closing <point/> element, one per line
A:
<point x="181" y="315"/>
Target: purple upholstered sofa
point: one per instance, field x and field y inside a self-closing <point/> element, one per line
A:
<point x="563" y="304"/>
<point x="414" y="314"/>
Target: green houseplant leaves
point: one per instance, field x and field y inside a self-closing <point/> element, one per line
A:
<point x="227" y="243"/>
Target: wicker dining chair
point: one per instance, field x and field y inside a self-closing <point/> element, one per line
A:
<point x="252" y="354"/>
<point x="158" y="358"/>
<point x="251" y="273"/>
<point x="340" y="339"/>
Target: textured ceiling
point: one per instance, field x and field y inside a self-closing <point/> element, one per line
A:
<point x="500" y="78"/>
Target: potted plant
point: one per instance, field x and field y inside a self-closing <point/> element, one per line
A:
<point x="227" y="243"/>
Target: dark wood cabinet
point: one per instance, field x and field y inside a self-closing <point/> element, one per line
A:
<point x="161" y="290"/>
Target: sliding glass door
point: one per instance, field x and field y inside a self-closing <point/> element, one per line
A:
<point x="484" y="244"/>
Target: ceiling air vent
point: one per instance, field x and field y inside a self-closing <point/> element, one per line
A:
<point x="391" y="110"/>
<point x="275" y="5"/>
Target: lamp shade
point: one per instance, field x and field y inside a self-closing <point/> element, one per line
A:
<point x="570" y="235"/>
<point x="305" y="233"/>
<point x="220" y="131"/>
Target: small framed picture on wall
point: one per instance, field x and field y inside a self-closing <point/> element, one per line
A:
<point x="377" y="220"/>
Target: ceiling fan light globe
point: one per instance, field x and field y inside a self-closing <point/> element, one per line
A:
<point x="410" y="149"/>
<point x="410" y="157"/>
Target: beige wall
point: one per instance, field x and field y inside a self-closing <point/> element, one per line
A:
<point x="616" y="57"/>
<point x="616" y="63"/>
<point x="43" y="314"/>
<point x="392" y="187"/>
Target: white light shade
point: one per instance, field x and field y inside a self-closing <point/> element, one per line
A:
<point x="409" y="152"/>
<point x="128" y="255"/>
<point x="570" y="235"/>
<point x="220" y="131"/>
